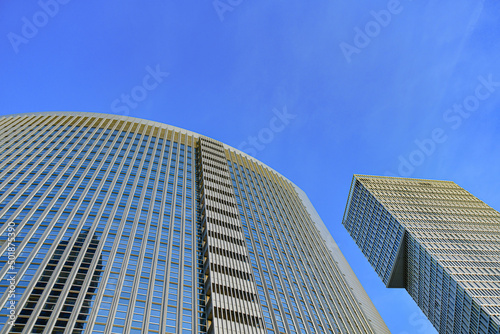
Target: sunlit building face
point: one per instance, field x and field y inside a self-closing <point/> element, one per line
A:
<point x="437" y="241"/>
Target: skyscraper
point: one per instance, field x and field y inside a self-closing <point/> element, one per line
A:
<point x="437" y="241"/>
<point x="113" y="224"/>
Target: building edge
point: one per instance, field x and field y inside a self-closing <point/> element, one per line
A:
<point x="376" y="322"/>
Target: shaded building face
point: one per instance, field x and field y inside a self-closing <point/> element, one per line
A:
<point x="437" y="241"/>
<point x="123" y="225"/>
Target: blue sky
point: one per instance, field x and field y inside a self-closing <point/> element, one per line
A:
<point x="415" y="94"/>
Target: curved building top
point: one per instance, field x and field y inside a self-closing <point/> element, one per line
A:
<point x="149" y="123"/>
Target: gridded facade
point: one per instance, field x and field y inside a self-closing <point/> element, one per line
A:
<point x="437" y="241"/>
<point x="113" y="224"/>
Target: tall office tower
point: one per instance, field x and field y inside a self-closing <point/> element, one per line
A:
<point x="437" y="241"/>
<point x="124" y="225"/>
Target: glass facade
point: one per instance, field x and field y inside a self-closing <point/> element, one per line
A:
<point x="437" y="241"/>
<point x="112" y="224"/>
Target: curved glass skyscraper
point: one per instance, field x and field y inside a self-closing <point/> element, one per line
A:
<point x="112" y="224"/>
